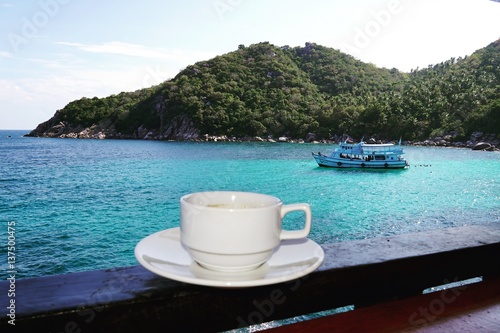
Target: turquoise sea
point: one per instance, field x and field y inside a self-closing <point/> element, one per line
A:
<point x="84" y="204"/>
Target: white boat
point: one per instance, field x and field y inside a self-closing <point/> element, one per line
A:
<point x="363" y="155"/>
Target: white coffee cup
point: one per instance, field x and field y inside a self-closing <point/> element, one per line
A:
<point x="235" y="231"/>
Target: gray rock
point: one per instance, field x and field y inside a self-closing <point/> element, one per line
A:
<point x="481" y="146"/>
<point x="310" y="137"/>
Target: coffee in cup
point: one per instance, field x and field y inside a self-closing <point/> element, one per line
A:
<point x="235" y="231"/>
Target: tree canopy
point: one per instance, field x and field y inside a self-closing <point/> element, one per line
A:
<point x="263" y="90"/>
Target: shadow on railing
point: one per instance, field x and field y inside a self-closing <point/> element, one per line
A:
<point x="378" y="278"/>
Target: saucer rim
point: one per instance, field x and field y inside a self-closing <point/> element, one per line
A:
<point x="138" y="252"/>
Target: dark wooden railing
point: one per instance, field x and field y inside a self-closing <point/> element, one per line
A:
<point x="382" y="279"/>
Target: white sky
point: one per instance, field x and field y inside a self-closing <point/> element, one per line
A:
<point x="55" y="51"/>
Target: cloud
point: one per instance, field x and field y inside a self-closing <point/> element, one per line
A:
<point x="120" y="48"/>
<point x="4" y="54"/>
<point x="135" y="50"/>
<point x="40" y="97"/>
<point x="64" y="87"/>
<point x="50" y="82"/>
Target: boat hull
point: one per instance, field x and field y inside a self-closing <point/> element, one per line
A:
<point x="326" y="161"/>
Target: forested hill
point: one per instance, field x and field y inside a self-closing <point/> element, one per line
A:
<point x="266" y="90"/>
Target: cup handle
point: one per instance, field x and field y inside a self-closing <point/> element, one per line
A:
<point x="295" y="234"/>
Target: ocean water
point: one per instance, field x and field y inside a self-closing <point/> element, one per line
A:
<point x="82" y="205"/>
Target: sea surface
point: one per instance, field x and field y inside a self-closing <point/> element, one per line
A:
<point x="80" y="205"/>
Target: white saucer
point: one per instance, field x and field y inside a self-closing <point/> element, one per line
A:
<point x="163" y="254"/>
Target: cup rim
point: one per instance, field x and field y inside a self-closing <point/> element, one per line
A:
<point x="273" y="201"/>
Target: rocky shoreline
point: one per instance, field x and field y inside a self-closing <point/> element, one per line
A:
<point x="477" y="141"/>
<point x="187" y="132"/>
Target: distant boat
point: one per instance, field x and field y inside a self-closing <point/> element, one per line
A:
<point x="363" y="155"/>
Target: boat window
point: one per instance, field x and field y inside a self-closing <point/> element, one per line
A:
<point x="379" y="157"/>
